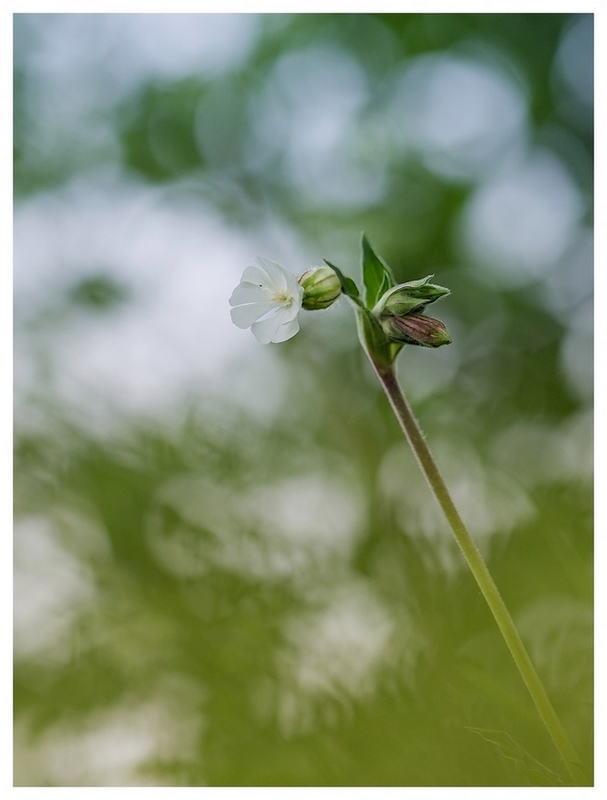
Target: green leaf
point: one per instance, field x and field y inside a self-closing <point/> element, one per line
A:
<point x="377" y="275"/>
<point x="535" y="771"/>
<point x="348" y="286"/>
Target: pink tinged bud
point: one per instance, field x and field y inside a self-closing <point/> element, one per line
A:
<point x="416" y="329"/>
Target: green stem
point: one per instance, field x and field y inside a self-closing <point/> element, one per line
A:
<point x="409" y="424"/>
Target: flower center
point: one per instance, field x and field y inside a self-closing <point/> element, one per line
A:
<point x="282" y="299"/>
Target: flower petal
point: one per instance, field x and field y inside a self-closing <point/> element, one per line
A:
<point x="257" y="276"/>
<point x="265" y="330"/>
<point x="286" y="331"/>
<point x="290" y="312"/>
<point x="293" y="287"/>
<point x="278" y="275"/>
<point x="247" y="292"/>
<point x="245" y="316"/>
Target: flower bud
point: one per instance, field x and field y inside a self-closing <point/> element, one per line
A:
<point x="407" y="298"/>
<point x="321" y="288"/>
<point x="416" y="329"/>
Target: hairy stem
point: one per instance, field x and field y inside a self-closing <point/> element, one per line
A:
<point x="475" y="561"/>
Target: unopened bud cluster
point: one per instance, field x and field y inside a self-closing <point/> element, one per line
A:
<point x="400" y="314"/>
<point x="321" y="288"/>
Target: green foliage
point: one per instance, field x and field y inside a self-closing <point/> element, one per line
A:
<point x="98" y="293"/>
<point x="158" y="131"/>
<point x="537" y="773"/>
<point x="348" y="287"/>
<point x="222" y="636"/>
<point x="377" y="275"/>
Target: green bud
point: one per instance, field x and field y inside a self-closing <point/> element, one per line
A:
<point x="321" y="287"/>
<point x="407" y="298"/>
<point x="415" y="329"/>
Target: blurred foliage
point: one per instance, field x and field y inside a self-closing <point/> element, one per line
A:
<point x="203" y="641"/>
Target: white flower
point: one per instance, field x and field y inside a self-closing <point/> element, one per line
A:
<point x="267" y="300"/>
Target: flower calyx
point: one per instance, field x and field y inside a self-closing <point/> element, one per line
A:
<point x="400" y="313"/>
<point x="415" y="329"/>
<point x="411" y="297"/>
<point x="321" y="288"/>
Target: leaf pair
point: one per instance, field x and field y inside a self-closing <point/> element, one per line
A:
<point x="377" y="277"/>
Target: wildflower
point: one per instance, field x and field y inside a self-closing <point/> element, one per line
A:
<point x="267" y="300"/>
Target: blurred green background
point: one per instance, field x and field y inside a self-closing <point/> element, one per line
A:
<point x="228" y="570"/>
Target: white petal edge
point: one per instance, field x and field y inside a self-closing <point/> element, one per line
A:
<point x="247" y="292"/>
<point x="246" y="316"/>
<point x="257" y="276"/>
<point x="266" y="329"/>
<point x="277" y="274"/>
<point x="286" y="331"/>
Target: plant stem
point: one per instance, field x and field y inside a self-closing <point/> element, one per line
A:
<point x="387" y="377"/>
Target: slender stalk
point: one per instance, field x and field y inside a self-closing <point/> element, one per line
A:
<point x="409" y="424"/>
